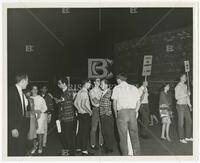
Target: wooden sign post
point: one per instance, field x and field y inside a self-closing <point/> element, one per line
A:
<point x="187" y="69"/>
<point x="147" y="64"/>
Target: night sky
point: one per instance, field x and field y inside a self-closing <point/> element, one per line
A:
<point x="63" y="42"/>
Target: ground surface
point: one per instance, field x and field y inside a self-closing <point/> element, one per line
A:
<point x="152" y="146"/>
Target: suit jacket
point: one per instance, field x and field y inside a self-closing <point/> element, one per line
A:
<point x="15" y="117"/>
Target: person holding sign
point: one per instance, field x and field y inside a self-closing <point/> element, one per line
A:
<point x="144" y="109"/>
<point x="183" y="106"/>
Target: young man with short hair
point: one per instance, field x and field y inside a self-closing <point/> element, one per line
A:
<point x="126" y="105"/>
<point x="67" y="117"/>
<point x="183" y="107"/>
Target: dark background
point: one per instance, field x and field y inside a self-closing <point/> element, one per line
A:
<point x="80" y="37"/>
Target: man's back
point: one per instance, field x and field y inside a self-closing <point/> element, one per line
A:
<point x="126" y="95"/>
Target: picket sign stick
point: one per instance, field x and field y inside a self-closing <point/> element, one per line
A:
<point x="188" y="81"/>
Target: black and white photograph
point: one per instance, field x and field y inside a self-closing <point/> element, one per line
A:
<point x="100" y="80"/>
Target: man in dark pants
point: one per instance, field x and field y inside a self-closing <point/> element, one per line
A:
<point x="67" y="118"/>
<point x="18" y="123"/>
<point x="126" y="103"/>
<point x="144" y="109"/>
<point x="82" y="103"/>
<point x="183" y="106"/>
<point x="106" y="117"/>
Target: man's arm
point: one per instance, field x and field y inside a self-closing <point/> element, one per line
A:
<point x="12" y="113"/>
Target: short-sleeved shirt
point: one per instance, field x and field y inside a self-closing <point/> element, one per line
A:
<point x="82" y="101"/>
<point x="126" y="96"/>
<point x="95" y="93"/>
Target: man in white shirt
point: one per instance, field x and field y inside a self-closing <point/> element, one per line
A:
<point x="183" y="106"/>
<point x="126" y="105"/>
<point x="144" y="109"/>
<point x="82" y="103"/>
<point x="95" y="95"/>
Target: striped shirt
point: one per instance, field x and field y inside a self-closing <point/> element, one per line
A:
<point x="105" y="103"/>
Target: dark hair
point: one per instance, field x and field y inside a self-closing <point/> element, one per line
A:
<point x="34" y="86"/>
<point x="19" y="77"/>
<point x="181" y="75"/>
<point x="44" y="86"/>
<point x="122" y="76"/>
<point x="106" y="81"/>
<point x="64" y="81"/>
<point x="85" y="81"/>
<point x="26" y="90"/>
<point x="164" y="85"/>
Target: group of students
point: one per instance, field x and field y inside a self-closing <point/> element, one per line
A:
<point x="82" y="114"/>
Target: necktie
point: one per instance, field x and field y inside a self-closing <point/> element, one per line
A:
<point x="24" y="108"/>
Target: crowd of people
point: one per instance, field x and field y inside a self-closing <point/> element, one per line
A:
<point x="96" y="107"/>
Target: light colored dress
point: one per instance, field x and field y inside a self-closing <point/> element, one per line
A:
<point x="40" y="104"/>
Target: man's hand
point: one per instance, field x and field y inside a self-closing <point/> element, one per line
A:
<point x="189" y="93"/>
<point x="190" y="106"/>
<point x="15" y="133"/>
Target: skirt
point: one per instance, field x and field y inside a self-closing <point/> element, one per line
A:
<point x="41" y="123"/>
<point x="33" y="127"/>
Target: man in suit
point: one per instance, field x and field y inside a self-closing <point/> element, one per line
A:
<point x="18" y="123"/>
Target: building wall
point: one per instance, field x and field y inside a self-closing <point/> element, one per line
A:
<point x="169" y="50"/>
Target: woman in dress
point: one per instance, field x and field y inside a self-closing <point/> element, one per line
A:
<point x="39" y="107"/>
<point x="165" y="111"/>
<point x="33" y="122"/>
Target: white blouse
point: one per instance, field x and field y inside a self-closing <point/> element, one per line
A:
<point x="39" y="103"/>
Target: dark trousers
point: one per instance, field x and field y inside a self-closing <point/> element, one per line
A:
<point x="184" y="116"/>
<point x="107" y="124"/>
<point x="127" y="121"/>
<point x="19" y="146"/>
<point x="144" y="120"/>
<point x="83" y="131"/>
<point x="68" y="135"/>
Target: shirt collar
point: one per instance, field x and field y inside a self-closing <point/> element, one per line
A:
<point x="18" y="87"/>
<point x="85" y="89"/>
<point x="123" y="83"/>
<point x="64" y="89"/>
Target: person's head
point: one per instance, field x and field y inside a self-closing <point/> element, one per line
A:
<point x="27" y="93"/>
<point x="166" y="87"/>
<point x="21" y="79"/>
<point x="34" y="90"/>
<point x="44" y="89"/>
<point x="183" y="78"/>
<point x="145" y="83"/>
<point x="104" y="84"/>
<point x="97" y="82"/>
<point x="86" y="83"/>
<point x="62" y="83"/>
<point x="121" y="77"/>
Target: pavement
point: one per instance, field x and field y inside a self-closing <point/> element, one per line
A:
<point x="153" y="146"/>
